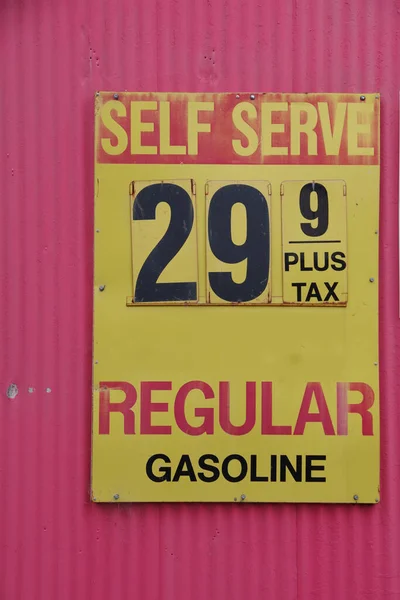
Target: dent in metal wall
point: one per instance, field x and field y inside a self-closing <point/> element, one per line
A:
<point x="54" y="543"/>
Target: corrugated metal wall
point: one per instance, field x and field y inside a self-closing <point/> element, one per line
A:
<point x="55" y="544"/>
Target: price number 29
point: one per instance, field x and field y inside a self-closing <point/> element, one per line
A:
<point x="223" y="253"/>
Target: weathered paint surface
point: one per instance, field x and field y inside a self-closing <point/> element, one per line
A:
<point x="54" y="543"/>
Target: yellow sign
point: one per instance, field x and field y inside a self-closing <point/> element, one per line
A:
<point x="236" y="298"/>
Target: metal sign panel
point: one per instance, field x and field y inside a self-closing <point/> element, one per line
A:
<point x="236" y="298"/>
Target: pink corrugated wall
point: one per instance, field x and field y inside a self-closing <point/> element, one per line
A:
<point x="55" y="544"/>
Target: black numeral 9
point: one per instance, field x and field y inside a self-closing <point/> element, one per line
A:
<point x="320" y="215"/>
<point x="255" y="249"/>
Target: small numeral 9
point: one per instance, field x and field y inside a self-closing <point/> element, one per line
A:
<point x="321" y="214"/>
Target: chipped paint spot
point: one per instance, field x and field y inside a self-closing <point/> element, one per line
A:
<point x="12" y="391"/>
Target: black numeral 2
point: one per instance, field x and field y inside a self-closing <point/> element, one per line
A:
<point x="147" y="287"/>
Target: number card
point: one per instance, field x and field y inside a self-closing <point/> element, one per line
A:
<point x="235" y="343"/>
<point x="238" y="242"/>
<point x="314" y="235"/>
<point x="164" y="242"/>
